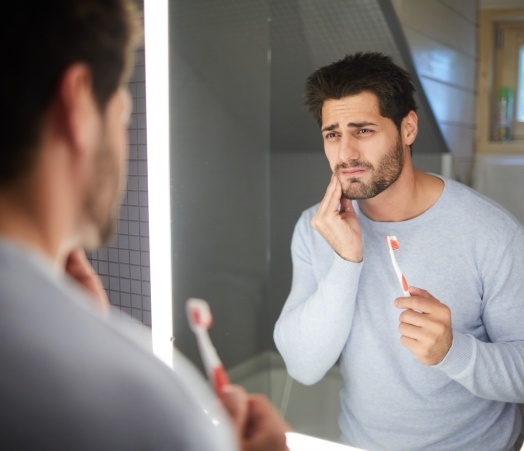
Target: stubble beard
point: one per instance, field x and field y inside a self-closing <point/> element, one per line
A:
<point x="103" y="197"/>
<point x="388" y="171"/>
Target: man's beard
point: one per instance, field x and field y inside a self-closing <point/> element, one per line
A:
<point x="388" y="171"/>
<point x="103" y="196"/>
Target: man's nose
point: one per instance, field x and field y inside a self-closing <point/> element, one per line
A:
<point x="348" y="149"/>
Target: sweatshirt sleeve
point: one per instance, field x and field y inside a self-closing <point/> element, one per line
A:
<point x="316" y="319"/>
<point x="495" y="369"/>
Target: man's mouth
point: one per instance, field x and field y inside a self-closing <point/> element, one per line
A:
<point x="352" y="172"/>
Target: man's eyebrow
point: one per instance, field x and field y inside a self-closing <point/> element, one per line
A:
<point x="330" y="128"/>
<point x="360" y="124"/>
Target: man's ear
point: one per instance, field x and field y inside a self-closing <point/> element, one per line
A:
<point x="78" y="109"/>
<point x="409" y="128"/>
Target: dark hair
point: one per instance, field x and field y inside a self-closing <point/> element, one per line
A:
<point x="39" y="40"/>
<point x="371" y="72"/>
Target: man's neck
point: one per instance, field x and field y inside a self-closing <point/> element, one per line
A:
<point x="411" y="195"/>
<point x="32" y="216"/>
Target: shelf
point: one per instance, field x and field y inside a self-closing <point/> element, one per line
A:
<point x="494" y="147"/>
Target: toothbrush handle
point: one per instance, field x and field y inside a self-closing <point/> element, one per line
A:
<point x="215" y="370"/>
<point x="405" y="286"/>
<point x="207" y="352"/>
<point x="220" y="379"/>
<point x="400" y="275"/>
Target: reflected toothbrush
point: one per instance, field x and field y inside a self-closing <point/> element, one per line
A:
<point x="200" y="320"/>
<point x="394" y="246"/>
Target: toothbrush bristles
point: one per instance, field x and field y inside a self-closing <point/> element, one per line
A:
<point x="394" y="243"/>
<point x="196" y="317"/>
<point x="199" y="314"/>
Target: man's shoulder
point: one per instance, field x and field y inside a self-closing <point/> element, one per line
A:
<point x="67" y="369"/>
<point x="309" y="212"/>
<point x="472" y="204"/>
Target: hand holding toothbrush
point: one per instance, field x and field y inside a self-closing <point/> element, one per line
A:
<point x="337" y="222"/>
<point x="425" y="326"/>
<point x="258" y="425"/>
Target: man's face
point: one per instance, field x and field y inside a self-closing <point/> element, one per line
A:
<point x="109" y="170"/>
<point x="364" y="149"/>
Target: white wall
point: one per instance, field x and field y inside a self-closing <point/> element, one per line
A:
<point x="442" y="35"/>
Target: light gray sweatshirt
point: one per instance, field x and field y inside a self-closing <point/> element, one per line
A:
<point x="468" y="253"/>
<point x="74" y="380"/>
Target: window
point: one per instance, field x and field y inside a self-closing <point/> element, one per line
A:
<point x="500" y="109"/>
<point x="507" y="89"/>
<point x="520" y="87"/>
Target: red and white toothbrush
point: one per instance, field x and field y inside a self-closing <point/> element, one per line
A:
<point x="200" y="320"/>
<point x="394" y="246"/>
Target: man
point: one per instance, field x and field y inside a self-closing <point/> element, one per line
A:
<point x="442" y="367"/>
<point x="71" y="379"/>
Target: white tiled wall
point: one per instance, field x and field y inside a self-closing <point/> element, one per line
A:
<point x="124" y="264"/>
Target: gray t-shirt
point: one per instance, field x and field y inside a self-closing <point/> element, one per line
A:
<point x="70" y="380"/>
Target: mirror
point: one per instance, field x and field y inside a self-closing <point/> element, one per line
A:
<point x="246" y="158"/>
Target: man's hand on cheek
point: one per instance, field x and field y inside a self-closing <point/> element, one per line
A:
<point x="337" y="222"/>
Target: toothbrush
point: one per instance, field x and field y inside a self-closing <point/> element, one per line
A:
<point x="200" y="320"/>
<point x="394" y="246"/>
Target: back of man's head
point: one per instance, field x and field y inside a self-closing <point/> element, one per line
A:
<point x="38" y="42"/>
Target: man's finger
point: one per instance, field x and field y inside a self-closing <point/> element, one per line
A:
<point x="419" y="301"/>
<point x="331" y="199"/>
<point x="234" y="399"/>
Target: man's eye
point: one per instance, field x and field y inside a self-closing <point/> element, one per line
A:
<point x="330" y="135"/>
<point x="364" y="131"/>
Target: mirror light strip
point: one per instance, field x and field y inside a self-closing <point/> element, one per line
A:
<point x="157" y="108"/>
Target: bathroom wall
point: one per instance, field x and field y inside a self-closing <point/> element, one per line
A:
<point x="442" y="36"/>
<point x="219" y="74"/>
<point x="124" y="264"/>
